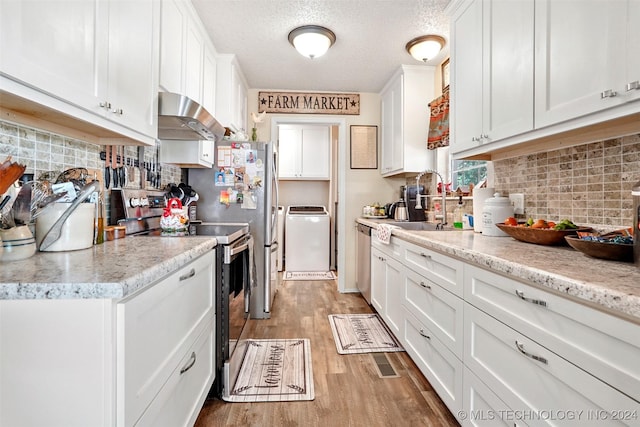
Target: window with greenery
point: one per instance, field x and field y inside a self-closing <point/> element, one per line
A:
<point x="465" y="172"/>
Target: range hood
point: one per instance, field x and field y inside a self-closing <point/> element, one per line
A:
<point x="181" y="118"/>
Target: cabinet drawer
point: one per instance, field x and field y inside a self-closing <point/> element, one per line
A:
<point x="393" y="249"/>
<point x="482" y="407"/>
<point x="601" y="344"/>
<point x="532" y="379"/>
<point x="155" y="328"/>
<point x="441" y="269"/>
<point x="181" y="398"/>
<point x="439" y="365"/>
<point x="439" y="310"/>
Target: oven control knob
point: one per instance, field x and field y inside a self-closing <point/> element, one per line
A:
<point x="134" y="202"/>
<point x="144" y="201"/>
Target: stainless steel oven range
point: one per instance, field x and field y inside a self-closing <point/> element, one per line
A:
<point x="234" y="275"/>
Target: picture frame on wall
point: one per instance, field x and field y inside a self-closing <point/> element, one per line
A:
<point x="445" y="74"/>
<point x="364" y="147"/>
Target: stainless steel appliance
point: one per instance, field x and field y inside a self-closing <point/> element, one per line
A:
<point x="234" y="274"/>
<point x="410" y="196"/>
<point x="242" y="187"/>
<point x="363" y="261"/>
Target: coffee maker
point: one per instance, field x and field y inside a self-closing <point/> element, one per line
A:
<point x="410" y="192"/>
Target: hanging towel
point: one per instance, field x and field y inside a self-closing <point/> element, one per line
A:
<point x="439" y="122"/>
<point x="383" y="232"/>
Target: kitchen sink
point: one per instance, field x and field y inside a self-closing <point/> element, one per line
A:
<point x="419" y="226"/>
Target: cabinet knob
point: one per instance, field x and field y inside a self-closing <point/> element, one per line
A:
<point x="633" y="85"/>
<point x="608" y="94"/>
<point x="106" y="105"/>
<point x="117" y="111"/>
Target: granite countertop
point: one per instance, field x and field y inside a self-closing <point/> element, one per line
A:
<point x="609" y="285"/>
<point x="113" y="269"/>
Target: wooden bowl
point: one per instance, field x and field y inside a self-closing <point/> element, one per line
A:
<point x="602" y="250"/>
<point x="539" y="236"/>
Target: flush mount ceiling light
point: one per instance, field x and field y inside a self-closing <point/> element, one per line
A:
<point x="424" y="48"/>
<point x="312" y="41"/>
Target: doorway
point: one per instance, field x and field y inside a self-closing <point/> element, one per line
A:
<point x="333" y="188"/>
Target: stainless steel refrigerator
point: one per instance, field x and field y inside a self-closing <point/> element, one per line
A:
<point x="242" y="187"/>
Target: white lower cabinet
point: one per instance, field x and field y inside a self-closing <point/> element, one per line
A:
<point x="437" y="363"/>
<point x="144" y="360"/>
<point x="387" y="285"/>
<point x="481" y="406"/>
<point x="500" y="352"/>
<point x="536" y="383"/>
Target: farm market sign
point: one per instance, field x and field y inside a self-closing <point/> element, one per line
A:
<point x="309" y="103"/>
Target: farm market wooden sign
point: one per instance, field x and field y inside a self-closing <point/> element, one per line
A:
<point x="309" y="103"/>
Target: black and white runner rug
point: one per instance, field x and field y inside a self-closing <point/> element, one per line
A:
<point x="362" y="333"/>
<point x="274" y="371"/>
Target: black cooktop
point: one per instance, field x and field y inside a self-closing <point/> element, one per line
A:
<point x="224" y="233"/>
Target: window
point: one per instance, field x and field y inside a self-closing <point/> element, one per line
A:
<point x="465" y="172"/>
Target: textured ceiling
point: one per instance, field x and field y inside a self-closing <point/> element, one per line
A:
<point x="371" y="37"/>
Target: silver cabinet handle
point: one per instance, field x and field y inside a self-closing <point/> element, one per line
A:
<point x="424" y="285"/>
<point x="633" y="85"/>
<point x="423" y="255"/>
<point x="539" y="302"/>
<point x="117" y="111"/>
<point x="424" y="335"/>
<point x="189" y="275"/>
<point x="540" y="359"/>
<point x="608" y="94"/>
<point x="190" y="363"/>
<point x="106" y="105"/>
<point x="475" y="138"/>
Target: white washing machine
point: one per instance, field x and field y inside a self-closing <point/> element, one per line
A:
<point x="306" y="238"/>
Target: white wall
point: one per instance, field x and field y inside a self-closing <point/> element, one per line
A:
<point x="360" y="186"/>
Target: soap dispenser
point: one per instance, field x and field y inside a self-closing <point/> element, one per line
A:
<point x="458" y="213"/>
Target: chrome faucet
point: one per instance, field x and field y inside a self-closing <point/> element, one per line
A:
<point x="444" y="195"/>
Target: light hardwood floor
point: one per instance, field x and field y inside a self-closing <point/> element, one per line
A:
<point x="348" y="390"/>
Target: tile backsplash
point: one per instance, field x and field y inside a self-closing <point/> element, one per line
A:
<point x="589" y="184"/>
<point x="43" y="151"/>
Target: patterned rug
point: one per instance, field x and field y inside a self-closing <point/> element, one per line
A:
<point x="362" y="333"/>
<point x="309" y="275"/>
<point x="274" y="371"/>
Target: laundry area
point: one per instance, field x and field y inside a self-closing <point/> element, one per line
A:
<point x="306" y="212"/>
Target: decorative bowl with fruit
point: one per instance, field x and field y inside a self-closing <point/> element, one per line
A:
<point x="540" y="232"/>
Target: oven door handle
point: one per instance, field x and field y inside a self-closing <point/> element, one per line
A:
<point x="230" y="251"/>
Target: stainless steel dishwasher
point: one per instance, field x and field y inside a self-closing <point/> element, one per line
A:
<point x="363" y="261"/>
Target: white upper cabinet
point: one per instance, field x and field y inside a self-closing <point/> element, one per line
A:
<point x="492" y="72"/>
<point x="231" y="93"/>
<point x="405" y="120"/>
<point x="304" y="152"/>
<point x="187" y="56"/>
<point x="581" y="58"/>
<point x="85" y="56"/>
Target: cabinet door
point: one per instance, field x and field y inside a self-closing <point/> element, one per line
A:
<point x="394" y="284"/>
<point x="193" y="63"/>
<point x="316" y="147"/>
<point x="568" y="81"/>
<point x="209" y="81"/>
<point x="507" y="69"/>
<point x="133" y="64"/>
<point x="289" y="142"/>
<point x="386" y="158"/>
<point x="633" y="64"/>
<point x="378" y="280"/>
<point x="58" y="47"/>
<point x="397" y="139"/>
<point x="466" y="78"/>
<point x="172" y="30"/>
